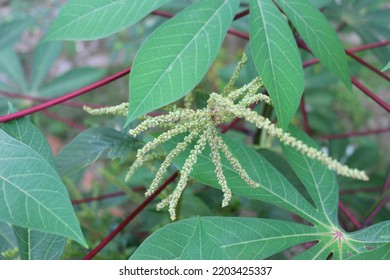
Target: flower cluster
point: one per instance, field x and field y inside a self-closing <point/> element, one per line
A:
<point x="201" y="126"/>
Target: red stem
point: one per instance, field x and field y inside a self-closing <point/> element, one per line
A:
<point x="352" y="50"/>
<point x="356" y="133"/>
<point x="105" y="196"/>
<point x="97" y="198"/>
<point x="162" y="14"/>
<point x="366" y="64"/>
<point x="239" y="34"/>
<point x="370" y="94"/>
<point x="128" y="219"/>
<point x="349" y="215"/>
<point x="370" y="46"/>
<point x="379" y="207"/>
<point x="65" y="97"/>
<point x="360" y="86"/>
<point x="66" y="121"/>
<point x="241" y="14"/>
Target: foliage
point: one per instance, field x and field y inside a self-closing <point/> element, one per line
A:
<point x="295" y="179"/>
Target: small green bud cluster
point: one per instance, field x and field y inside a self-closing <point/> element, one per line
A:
<point x="118" y="110"/>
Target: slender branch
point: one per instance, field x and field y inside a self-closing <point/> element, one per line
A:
<point x="106" y="196"/>
<point x="238" y="34"/>
<point x="241" y="14"/>
<point x="370" y="46"/>
<point x="129" y="218"/>
<point x="97" y="198"/>
<point x="65" y="97"/>
<point x="355" y="82"/>
<point x="162" y="14"/>
<point x="349" y="215"/>
<point x="367" y="65"/>
<point x="370" y="94"/>
<point x="356" y="133"/>
<point x="352" y="50"/>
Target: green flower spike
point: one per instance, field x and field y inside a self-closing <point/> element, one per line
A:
<point x="202" y="125"/>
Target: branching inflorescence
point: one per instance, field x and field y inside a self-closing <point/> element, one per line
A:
<point x="201" y="125"/>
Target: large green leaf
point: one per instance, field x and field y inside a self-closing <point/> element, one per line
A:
<point x="177" y="55"/>
<point x="276" y="57"/>
<point x="86" y="19"/>
<point x="34" y="244"/>
<point x="317" y="32"/>
<point x="320" y="182"/>
<point x="71" y="80"/>
<point x="90" y="145"/>
<point x="44" y="57"/>
<point x="11" y="31"/>
<point x="31" y="193"/>
<point x="223" y="238"/>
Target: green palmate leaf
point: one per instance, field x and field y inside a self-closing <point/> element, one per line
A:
<point x="90" y="145"/>
<point x="317" y="32"/>
<point x="12" y="67"/>
<point x="44" y="58"/>
<point x="31" y="193"/>
<point x="381" y="253"/>
<point x="320" y="182"/>
<point x="36" y="245"/>
<point x="275" y="188"/>
<point x="177" y="55"/>
<point x="11" y="31"/>
<point x="223" y="238"/>
<point x="387" y="67"/>
<point x="276" y="57"/>
<point x="85" y="19"/>
<point x="71" y="80"/>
